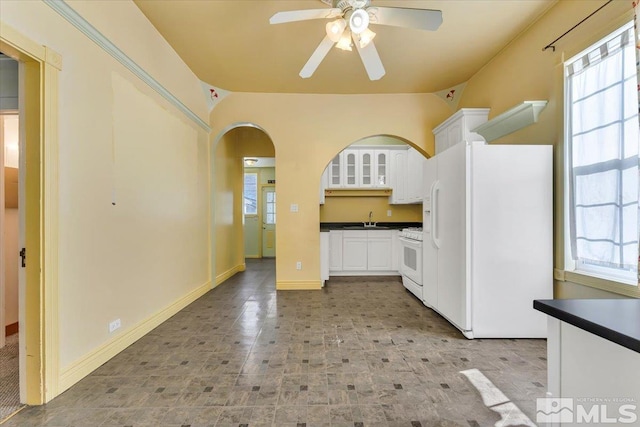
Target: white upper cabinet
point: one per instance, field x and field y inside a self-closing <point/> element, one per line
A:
<point x="374" y="166"/>
<point x="334" y="171"/>
<point x="381" y="172"/>
<point x="457" y="128"/>
<point x="415" y="183"/>
<point x="398" y="176"/>
<point x="350" y="168"/>
<point x="366" y="167"/>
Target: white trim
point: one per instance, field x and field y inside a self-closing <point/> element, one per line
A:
<point x="74" y="18"/>
<point x="93" y="360"/>
<point x="220" y="278"/>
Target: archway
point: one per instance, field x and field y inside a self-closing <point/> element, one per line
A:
<point x="373" y="184"/>
<point x="235" y="143"/>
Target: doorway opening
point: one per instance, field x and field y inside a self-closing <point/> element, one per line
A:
<point x="10" y="242"/>
<point x="259" y="210"/>
<point x="38" y="71"/>
<point x="244" y="209"/>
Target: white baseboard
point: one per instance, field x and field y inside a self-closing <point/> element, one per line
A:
<point x="87" y="364"/>
<point x="227" y="274"/>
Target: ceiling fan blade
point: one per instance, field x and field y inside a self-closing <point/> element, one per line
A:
<point x="371" y="60"/>
<point x="303" y="15"/>
<point x="421" y="19"/>
<point x="316" y="58"/>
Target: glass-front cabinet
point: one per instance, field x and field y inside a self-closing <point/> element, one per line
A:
<point x="359" y="168"/>
<point x="351" y="166"/>
<point x="382" y="168"/>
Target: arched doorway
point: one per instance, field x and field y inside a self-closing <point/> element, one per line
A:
<point x="238" y="220"/>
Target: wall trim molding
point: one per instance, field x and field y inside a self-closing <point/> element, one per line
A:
<point x="93" y="360"/>
<point x="75" y="19"/>
<point x="298" y="285"/>
<point x="227" y="274"/>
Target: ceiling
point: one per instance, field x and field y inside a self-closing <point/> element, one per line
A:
<point x="231" y="45"/>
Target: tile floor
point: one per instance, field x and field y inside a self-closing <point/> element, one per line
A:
<point x="9" y="382"/>
<point x="360" y="352"/>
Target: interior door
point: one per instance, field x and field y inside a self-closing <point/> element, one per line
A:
<point x="451" y="233"/>
<point x="269" y="221"/>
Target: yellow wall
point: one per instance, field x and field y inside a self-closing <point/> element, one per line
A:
<point x="522" y="71"/>
<point x="122" y="143"/>
<point x="307" y="132"/>
<point x="228" y="207"/>
<point x="356" y="209"/>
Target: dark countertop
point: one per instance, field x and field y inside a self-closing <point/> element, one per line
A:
<point x="616" y="320"/>
<point x="328" y="226"/>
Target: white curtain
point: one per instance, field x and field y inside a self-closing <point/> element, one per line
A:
<point x="636" y="26"/>
<point x="604" y="154"/>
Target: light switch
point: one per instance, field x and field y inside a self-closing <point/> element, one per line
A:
<point x="294" y="207"/>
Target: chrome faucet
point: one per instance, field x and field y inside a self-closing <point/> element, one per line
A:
<point x="370" y="223"/>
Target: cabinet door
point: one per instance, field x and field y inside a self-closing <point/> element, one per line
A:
<point x="415" y="185"/>
<point x="354" y="251"/>
<point x="398" y="176"/>
<point x="366" y="168"/>
<point x="335" y="250"/>
<point x="334" y="179"/>
<point x="379" y="251"/>
<point x="381" y="162"/>
<point x="350" y="168"/>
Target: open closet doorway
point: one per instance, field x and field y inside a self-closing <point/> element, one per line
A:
<point x="10" y="234"/>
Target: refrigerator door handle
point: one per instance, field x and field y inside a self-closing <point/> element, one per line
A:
<point x="435" y="191"/>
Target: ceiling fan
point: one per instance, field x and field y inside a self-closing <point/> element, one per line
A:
<point x="350" y="22"/>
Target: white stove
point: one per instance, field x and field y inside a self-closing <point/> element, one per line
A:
<point x="413" y="233"/>
<point x="411" y="259"/>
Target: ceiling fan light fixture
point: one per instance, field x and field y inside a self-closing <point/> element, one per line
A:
<point x="359" y="21"/>
<point x="345" y="40"/>
<point x="365" y="38"/>
<point x="335" y="29"/>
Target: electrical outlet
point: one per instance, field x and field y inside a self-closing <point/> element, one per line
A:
<point x="389" y="212"/>
<point x="299" y="265"/>
<point x="114" y="325"/>
<point x="294" y="207"/>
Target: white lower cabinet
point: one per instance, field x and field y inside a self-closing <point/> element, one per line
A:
<point x="354" y="252"/>
<point x="324" y="257"/>
<point x="379" y="254"/>
<point x="335" y="250"/>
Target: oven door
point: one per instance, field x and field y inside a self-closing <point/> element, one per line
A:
<point x="411" y="259"/>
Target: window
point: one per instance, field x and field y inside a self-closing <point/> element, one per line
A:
<point x="602" y="159"/>
<point x="270" y="204"/>
<point x="250" y="193"/>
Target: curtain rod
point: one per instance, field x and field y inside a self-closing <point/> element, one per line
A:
<point x="551" y="45"/>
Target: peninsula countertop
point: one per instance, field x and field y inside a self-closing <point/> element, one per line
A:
<point x="616" y="320"/>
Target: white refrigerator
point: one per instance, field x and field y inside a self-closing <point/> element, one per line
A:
<point x="488" y="238"/>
